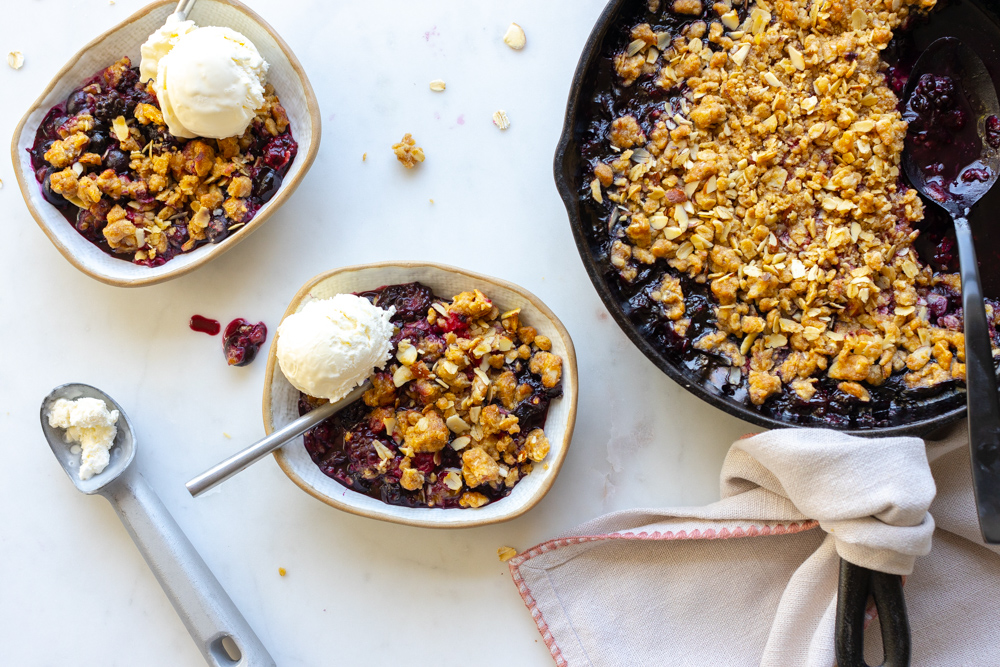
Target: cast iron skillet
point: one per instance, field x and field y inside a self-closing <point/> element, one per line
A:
<point x="974" y="21"/>
<point x="977" y="24"/>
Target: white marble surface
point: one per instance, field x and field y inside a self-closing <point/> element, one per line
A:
<point x="73" y="588"/>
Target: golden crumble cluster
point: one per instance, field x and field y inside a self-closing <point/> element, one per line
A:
<point x="774" y="178"/>
<point x="407" y="152"/>
<point x="170" y="189"/>
<point x="443" y="415"/>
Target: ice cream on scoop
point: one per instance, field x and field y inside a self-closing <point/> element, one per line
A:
<point x="332" y="345"/>
<point x="209" y="81"/>
<point x="90" y="424"/>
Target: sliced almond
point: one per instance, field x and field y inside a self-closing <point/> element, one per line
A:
<point x="635" y="47"/>
<point x="402" y="375"/>
<point x="798" y="62"/>
<point x="514" y="37"/>
<point x="859" y="19"/>
<point x="730" y="19"/>
<point x="120" y="128"/>
<point x="456" y="424"/>
<point x="740" y="56"/>
<point x="453" y="478"/>
<point x="406" y="353"/>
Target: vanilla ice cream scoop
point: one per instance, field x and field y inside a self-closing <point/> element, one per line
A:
<point x="88" y="423"/>
<point x="332" y="345"/>
<point x="209" y="81"/>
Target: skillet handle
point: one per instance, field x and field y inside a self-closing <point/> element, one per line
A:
<point x="856" y="583"/>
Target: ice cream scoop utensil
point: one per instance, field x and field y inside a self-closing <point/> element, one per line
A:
<point x="223" y="636"/>
<point x="183" y="9"/>
<point x="238" y="462"/>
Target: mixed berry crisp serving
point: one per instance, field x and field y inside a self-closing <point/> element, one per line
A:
<point x="106" y="160"/>
<point x="456" y="418"/>
<point x="743" y="161"/>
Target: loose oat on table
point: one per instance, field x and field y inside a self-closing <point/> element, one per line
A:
<point x="500" y="119"/>
<point x="506" y="553"/>
<point x="15" y="59"/>
<point x="407" y="152"/>
<point x="774" y="180"/>
<point x="438" y="86"/>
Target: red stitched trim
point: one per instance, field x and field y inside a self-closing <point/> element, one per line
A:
<point x="710" y="534"/>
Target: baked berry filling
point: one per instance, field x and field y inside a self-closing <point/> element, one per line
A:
<point x="242" y="340"/>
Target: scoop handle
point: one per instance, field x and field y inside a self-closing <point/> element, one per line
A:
<point x="204" y="606"/>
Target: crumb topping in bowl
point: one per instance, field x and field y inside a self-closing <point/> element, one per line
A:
<point x="748" y="174"/>
<point x="456" y="419"/>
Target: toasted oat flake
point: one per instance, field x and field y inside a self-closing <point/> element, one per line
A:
<point x="15" y="59"/>
<point x="506" y="553"/>
<point x="514" y="37"/>
<point x="437" y="85"/>
<point x="500" y="119"/>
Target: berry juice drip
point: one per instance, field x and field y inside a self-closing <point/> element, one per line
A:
<point x="943" y="137"/>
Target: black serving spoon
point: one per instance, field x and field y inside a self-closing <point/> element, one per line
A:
<point x="951" y="157"/>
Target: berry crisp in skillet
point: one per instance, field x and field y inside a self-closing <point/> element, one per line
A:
<point x="744" y="159"/>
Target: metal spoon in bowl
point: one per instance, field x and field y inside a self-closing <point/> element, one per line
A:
<point x="255" y="452"/>
<point x="956" y="195"/>
<point x="223" y="636"/>
<point x="183" y="8"/>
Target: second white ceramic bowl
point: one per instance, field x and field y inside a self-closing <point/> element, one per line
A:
<point x="281" y="399"/>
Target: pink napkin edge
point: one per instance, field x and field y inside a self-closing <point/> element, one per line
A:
<point x="754" y="530"/>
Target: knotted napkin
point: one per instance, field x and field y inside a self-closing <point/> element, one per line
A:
<point x="752" y="579"/>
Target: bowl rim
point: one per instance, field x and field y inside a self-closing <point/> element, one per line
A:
<point x="286" y="190"/>
<point x="564" y="173"/>
<point x="570" y="392"/>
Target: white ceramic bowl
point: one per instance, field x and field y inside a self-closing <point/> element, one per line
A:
<point x="285" y="73"/>
<point x="281" y="399"/>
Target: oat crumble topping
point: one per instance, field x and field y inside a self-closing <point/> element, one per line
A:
<point x="774" y="180"/>
<point x="407" y="151"/>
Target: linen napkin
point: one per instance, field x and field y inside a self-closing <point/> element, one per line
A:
<point x="752" y="579"/>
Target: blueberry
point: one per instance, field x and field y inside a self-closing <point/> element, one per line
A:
<point x="52" y="197"/>
<point x="110" y="107"/>
<point x="241" y="341"/>
<point x="410" y="300"/>
<point x="77" y="102"/>
<point x="217" y="230"/>
<point x="117" y="160"/>
<point x="267" y="184"/>
<point x="87" y="223"/>
<point x="98" y="143"/>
